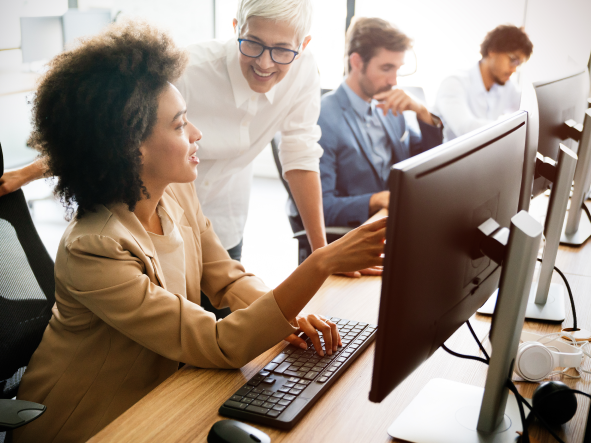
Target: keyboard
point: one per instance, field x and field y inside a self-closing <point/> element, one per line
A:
<point x="280" y="394"/>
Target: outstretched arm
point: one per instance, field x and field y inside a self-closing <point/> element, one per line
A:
<point x="13" y="180"/>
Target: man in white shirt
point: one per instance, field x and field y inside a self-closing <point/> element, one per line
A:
<point x="475" y="97"/>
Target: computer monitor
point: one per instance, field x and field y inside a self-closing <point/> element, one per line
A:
<point x="431" y="283"/>
<point x="560" y="98"/>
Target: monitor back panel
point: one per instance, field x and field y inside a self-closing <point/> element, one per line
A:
<point x="431" y="285"/>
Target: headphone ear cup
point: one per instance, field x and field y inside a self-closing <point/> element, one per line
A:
<point x="533" y="362"/>
<point x="554" y="402"/>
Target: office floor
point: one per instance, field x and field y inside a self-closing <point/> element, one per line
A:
<point x="269" y="250"/>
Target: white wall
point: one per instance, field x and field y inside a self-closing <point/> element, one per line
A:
<point x="447" y="34"/>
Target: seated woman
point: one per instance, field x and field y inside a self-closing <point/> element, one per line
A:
<point x="131" y="265"/>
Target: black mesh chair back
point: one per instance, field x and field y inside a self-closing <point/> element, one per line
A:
<point x="27" y="289"/>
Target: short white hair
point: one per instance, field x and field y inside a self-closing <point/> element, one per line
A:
<point x="296" y="12"/>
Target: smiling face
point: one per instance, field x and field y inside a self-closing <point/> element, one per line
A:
<point x="169" y="154"/>
<point x="262" y="73"/>
<point x="378" y="74"/>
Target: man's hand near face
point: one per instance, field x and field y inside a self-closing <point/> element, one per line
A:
<point x="399" y="101"/>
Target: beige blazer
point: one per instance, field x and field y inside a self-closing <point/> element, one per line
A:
<point x="117" y="333"/>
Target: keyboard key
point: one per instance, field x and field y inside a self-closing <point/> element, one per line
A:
<point x="295" y="373"/>
<point x="353" y="323"/>
<point x="353" y="346"/>
<point x="235" y="404"/>
<point x="290" y="360"/>
<point x="318" y="368"/>
<point x="322" y="379"/>
<point x="289" y="350"/>
<point x="236" y="397"/>
<point x="288" y="398"/>
<point x="311" y="375"/>
<point x="305" y="382"/>
<point x="252" y="395"/>
<point x="288" y="384"/>
<point x="271" y="366"/>
<point x="278" y="408"/>
<point x="258" y="377"/>
<point x="341" y="359"/>
<point x="263" y="397"/>
<point x="257" y="402"/>
<point x="254" y="382"/>
<point x="362" y="324"/>
<point x="282" y="368"/>
<point x="301" y="386"/>
<point x="295" y="391"/>
<point x="284" y="402"/>
<point x="297" y="364"/>
<point x="278" y="394"/>
<point x="269" y="380"/>
<point x="267" y="392"/>
<point x="268" y="405"/>
<point x="273" y="400"/>
<point x="273" y="413"/>
<point x="294" y="379"/>
<point x="283" y="390"/>
<point x="243" y="391"/>
<point x="257" y="410"/>
<point x="257" y="391"/>
<point x="279" y="358"/>
<point x="246" y="400"/>
<point x="308" y="365"/>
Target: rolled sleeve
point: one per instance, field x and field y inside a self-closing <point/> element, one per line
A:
<point x="299" y="148"/>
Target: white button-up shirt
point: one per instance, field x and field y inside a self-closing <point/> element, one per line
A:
<point x="464" y="104"/>
<point x="237" y="123"/>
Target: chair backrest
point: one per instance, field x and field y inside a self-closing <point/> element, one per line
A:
<point x="27" y="290"/>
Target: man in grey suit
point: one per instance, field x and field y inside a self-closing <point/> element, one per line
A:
<point x="363" y="129"/>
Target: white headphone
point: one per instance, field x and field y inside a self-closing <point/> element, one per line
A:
<point x="535" y="360"/>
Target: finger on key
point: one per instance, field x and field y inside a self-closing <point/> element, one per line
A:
<point x="336" y="337"/>
<point x="323" y="327"/>
<point x="311" y="332"/>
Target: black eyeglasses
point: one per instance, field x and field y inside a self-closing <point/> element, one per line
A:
<point x="254" y="49"/>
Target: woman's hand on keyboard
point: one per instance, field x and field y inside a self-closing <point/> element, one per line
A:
<point x="314" y="325"/>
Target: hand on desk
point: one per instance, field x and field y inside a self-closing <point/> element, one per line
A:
<point x="311" y="325"/>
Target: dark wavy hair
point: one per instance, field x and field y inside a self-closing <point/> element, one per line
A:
<point x="96" y="105"/>
<point x="507" y="38"/>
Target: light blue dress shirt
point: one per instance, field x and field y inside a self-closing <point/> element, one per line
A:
<point x="373" y="131"/>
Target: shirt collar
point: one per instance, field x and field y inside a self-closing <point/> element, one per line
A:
<point x="242" y="91"/>
<point x="360" y="106"/>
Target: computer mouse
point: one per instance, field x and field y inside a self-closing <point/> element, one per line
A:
<point x="232" y="431"/>
<point x="554" y="402"/>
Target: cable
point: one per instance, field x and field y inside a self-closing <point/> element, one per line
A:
<point x="469" y="357"/>
<point x="525" y="433"/>
<point x="522" y="401"/>
<point x="480" y="345"/>
<point x="586" y="209"/>
<point x="570" y="293"/>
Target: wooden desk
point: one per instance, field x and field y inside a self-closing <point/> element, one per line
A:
<point x="184" y="407"/>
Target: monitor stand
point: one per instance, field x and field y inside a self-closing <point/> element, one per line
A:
<point x="447" y="412"/>
<point x="450" y="412"/>
<point x="578" y="226"/>
<point x="546" y="299"/>
<point x="552" y="310"/>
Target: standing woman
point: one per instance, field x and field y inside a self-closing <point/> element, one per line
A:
<point x="132" y="264"/>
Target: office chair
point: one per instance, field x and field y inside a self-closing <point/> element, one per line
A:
<point x="295" y="221"/>
<point x="27" y="288"/>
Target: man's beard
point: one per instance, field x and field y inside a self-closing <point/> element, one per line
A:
<point x="498" y="81"/>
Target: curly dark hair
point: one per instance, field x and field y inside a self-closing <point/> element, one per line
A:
<point x="96" y="105"/>
<point x="507" y="38"/>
